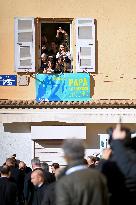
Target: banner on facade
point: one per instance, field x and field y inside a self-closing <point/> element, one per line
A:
<point x="63" y="87"/>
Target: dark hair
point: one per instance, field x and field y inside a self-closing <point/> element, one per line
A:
<point x="85" y="162"/>
<point x="5" y="170"/>
<point x="92" y="158"/>
<point x="55" y="165"/>
<point x="62" y="44"/>
<point x="97" y="158"/>
<point x="11" y="161"/>
<point x="54" y="41"/>
<point x="60" y="58"/>
<point x="133" y="143"/>
<point x="43" y="34"/>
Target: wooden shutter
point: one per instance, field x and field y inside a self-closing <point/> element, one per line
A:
<point x="85" y="45"/>
<point x="24" y="44"/>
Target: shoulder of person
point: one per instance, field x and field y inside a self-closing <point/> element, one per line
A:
<point x="3" y="180"/>
<point x="28" y="169"/>
<point x="28" y="176"/>
<point x="87" y="173"/>
<point x="12" y="185"/>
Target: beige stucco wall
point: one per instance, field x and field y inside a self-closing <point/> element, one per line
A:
<point x="16" y="138"/>
<point x="116" y="35"/>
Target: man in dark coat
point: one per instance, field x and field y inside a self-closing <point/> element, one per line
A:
<point x="115" y="166"/>
<point x="115" y="178"/>
<point x="15" y="173"/>
<point x="15" y="176"/>
<point x="24" y="170"/>
<point x="8" y="189"/>
<point x="49" y="195"/>
<point x="79" y="185"/>
<point x="28" y="186"/>
<point x="126" y="161"/>
<point x="40" y="186"/>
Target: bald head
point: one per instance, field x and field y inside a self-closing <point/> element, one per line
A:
<point x="37" y="177"/>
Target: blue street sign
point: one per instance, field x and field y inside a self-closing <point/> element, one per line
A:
<point x="8" y="80"/>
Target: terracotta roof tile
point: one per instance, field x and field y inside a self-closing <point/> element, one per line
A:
<point x="8" y="103"/>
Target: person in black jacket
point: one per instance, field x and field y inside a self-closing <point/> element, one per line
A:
<point x="40" y="186"/>
<point x="49" y="195"/>
<point x="115" y="178"/>
<point x="14" y="170"/>
<point x="23" y="171"/>
<point x="54" y="168"/>
<point x="8" y="189"/>
<point x="28" y="186"/>
<point x="126" y="161"/>
<point x="15" y="176"/>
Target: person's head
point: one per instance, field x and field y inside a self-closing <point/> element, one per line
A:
<point x="97" y="160"/>
<point x="37" y="177"/>
<point x="13" y="156"/>
<point x="51" y="61"/>
<point x="10" y="162"/>
<point x="43" y="39"/>
<point x="22" y="165"/>
<point x="62" y="48"/>
<point x="44" y="57"/>
<point x="60" y="60"/>
<point x="91" y="160"/>
<point x="133" y="143"/>
<point x="45" y="166"/>
<point x="60" y="32"/>
<point x="35" y="162"/>
<point x="54" y="167"/>
<point x="5" y="171"/>
<point x="53" y="45"/>
<point x="73" y="150"/>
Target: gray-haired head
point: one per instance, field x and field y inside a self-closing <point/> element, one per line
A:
<point x="73" y="149"/>
<point x="36" y="162"/>
<point x="45" y="166"/>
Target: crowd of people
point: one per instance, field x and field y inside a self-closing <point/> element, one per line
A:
<point x="110" y="180"/>
<point x="56" y="57"/>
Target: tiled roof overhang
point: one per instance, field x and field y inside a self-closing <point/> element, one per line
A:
<point x="101" y="103"/>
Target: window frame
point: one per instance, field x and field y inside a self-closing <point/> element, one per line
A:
<point x="80" y="43"/>
<point x="17" y="46"/>
<point x="53" y="20"/>
<point x="36" y="50"/>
